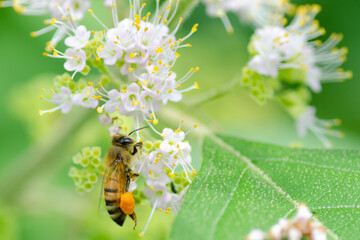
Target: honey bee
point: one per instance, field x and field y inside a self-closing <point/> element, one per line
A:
<point x="119" y="160"/>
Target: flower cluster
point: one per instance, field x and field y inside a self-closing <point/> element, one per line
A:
<point x="136" y="58"/>
<point x="288" y="62"/>
<point x="255" y="12"/>
<point x="91" y="167"/>
<point x="297" y="228"/>
<point x="62" y="13"/>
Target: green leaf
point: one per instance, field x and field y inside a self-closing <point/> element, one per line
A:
<point x="245" y="185"/>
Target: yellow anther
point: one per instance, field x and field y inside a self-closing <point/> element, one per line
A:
<point x="196" y="125"/>
<point x="139" y="84"/>
<point x="33" y="34"/>
<point x="170" y="91"/>
<point x="175" y="157"/>
<point x="141" y="204"/>
<point x="167" y="212"/>
<point x="99" y="109"/>
<point x="149" y="64"/>
<point x="91" y="84"/>
<point x="174" y="164"/>
<point x="197" y="69"/>
<point x="169" y="208"/>
<point x="143" y="107"/>
<point x="135" y="102"/>
<point x="189" y="45"/>
<point x="177" y="54"/>
<point x="117" y="109"/>
<point x="196" y="85"/>
<point x="194" y="28"/>
<point x="150" y="171"/>
<point x="141" y="235"/>
<point x="130" y="69"/>
<point x="45" y="54"/>
<point x="51" y="90"/>
<point x="156" y="68"/>
<point x="145" y="82"/>
<point x="194" y="172"/>
<point x="162" y="135"/>
<point x="171" y="175"/>
<point x="132" y="55"/>
<point x="160" y="209"/>
<point x="100" y="84"/>
<point x="155" y="121"/>
<point x="164" y="22"/>
<point x="181" y="20"/>
<point x="152" y="188"/>
<point x="151" y="115"/>
<point x="91" y="11"/>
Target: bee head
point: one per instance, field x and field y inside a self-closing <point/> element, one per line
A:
<point x="122" y="140"/>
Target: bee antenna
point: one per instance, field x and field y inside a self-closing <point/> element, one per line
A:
<point x="137" y="130"/>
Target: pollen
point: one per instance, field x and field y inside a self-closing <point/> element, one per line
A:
<point x="127" y="203"/>
<point x="196" y="85"/>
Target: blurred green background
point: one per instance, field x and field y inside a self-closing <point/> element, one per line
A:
<point x="38" y="199"/>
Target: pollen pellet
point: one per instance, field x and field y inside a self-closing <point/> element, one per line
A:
<point x="127" y="203"/>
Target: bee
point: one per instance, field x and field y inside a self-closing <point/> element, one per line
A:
<point x="119" y="161"/>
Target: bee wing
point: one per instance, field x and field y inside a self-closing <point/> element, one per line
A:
<point x="102" y="188"/>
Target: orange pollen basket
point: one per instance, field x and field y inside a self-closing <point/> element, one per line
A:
<point x="127" y="203"/>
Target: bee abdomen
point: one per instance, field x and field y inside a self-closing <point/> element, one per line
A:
<point x="116" y="214"/>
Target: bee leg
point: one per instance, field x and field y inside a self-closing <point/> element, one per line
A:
<point x="134" y="175"/>
<point x="133" y="217"/>
<point x="136" y="146"/>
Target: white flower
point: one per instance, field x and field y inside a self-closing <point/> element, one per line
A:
<point x="105" y="120"/>
<point x="160" y="198"/>
<point x="319" y="233"/>
<point x="277" y="231"/>
<point x="293" y="229"/>
<point x="294" y="234"/>
<point x="76" y="60"/>
<point x="63" y="100"/>
<point x="80" y="38"/>
<point x="171" y="140"/>
<point x="86" y="98"/>
<point x="108" y="3"/>
<point x="293" y="47"/>
<point x="110" y="53"/>
<point x="256" y="234"/>
<point x="63" y="14"/>
<point x="309" y="122"/>
<point x="256" y="12"/>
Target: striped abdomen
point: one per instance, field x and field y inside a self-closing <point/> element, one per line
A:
<point x="112" y="193"/>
